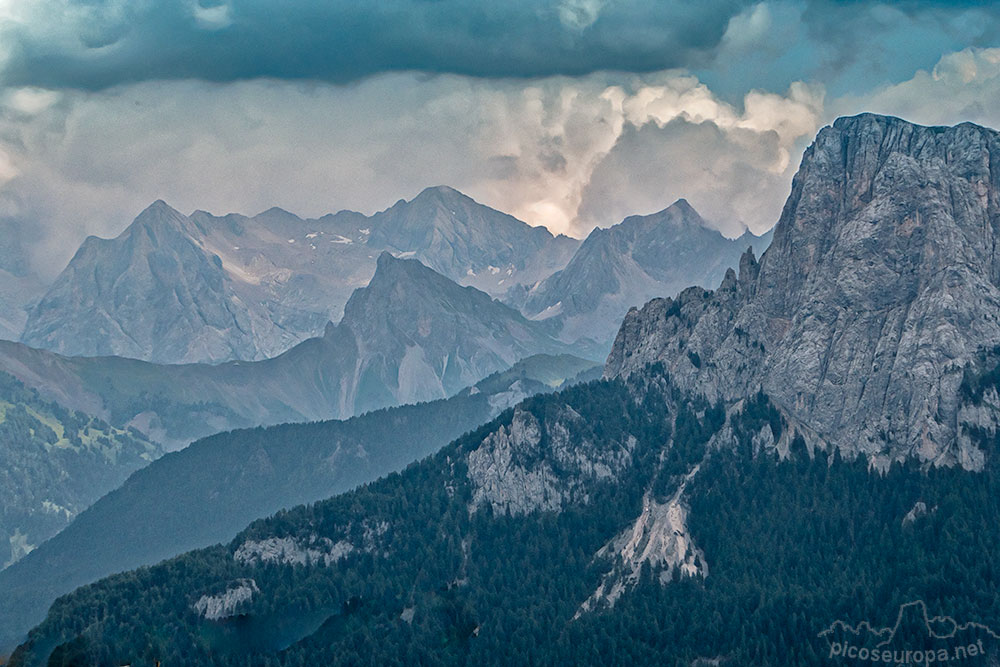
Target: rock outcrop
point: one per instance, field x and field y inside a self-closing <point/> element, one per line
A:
<point x="659" y="538"/>
<point x="226" y="604"/>
<point x="541" y="465"/>
<point x="881" y="287"/>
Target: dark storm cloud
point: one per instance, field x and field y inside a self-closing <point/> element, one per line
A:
<point x="93" y="44"/>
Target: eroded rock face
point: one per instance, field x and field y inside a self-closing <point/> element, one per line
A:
<point x="660" y="538"/>
<point x="313" y="550"/>
<point x="530" y="466"/>
<point x="289" y="551"/>
<point x="224" y="605"/>
<point x="879" y="289"/>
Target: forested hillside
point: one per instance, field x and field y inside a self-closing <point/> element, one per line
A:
<point x="212" y="489"/>
<point x="771" y="543"/>
<point x="53" y="464"/>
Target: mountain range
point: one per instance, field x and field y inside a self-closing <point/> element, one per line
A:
<point x="626" y="265"/>
<point x="410" y="335"/>
<point x="749" y="468"/>
<point x="184" y="289"/>
<point x="177" y="289"/>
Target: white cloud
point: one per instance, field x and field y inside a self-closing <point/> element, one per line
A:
<point x="29" y="100"/>
<point x="569" y="153"/>
<point x="733" y="165"/>
<point x="87" y="163"/>
<point x="212" y="18"/>
<point x="580" y="14"/>
<point x="962" y="86"/>
<point x="747" y="31"/>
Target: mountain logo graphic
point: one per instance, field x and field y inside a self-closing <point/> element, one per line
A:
<point x="916" y="638"/>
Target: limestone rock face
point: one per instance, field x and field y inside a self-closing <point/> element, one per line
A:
<point x="532" y="465"/>
<point x="226" y="604"/>
<point x="881" y="286"/>
<point x="659" y="538"/>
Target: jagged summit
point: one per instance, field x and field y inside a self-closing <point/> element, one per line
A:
<point x="157" y="215"/>
<point x="407" y="285"/>
<point x="678" y="214"/>
<point x="442" y="193"/>
<point x="278" y="213"/>
<point x="249" y="288"/>
<point x="390" y="269"/>
<point x="159" y="207"/>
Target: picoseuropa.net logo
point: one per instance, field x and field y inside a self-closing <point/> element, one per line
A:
<point x="915" y="639"/>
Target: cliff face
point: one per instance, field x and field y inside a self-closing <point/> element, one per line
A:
<point x="881" y="287"/>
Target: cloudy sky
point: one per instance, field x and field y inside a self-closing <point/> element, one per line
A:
<point x="566" y="113"/>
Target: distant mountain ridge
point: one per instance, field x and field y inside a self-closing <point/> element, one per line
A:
<point x="626" y="265"/>
<point x="173" y="288"/>
<point x="202" y="288"/>
<point x="410" y="335"/>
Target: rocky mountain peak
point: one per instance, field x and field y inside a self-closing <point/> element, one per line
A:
<point x="679" y="215"/>
<point x="629" y="263"/>
<point x="408" y="274"/>
<point x="879" y="288"/>
<point x="158" y="216"/>
<point x="404" y="290"/>
<point x="277" y="214"/>
<point x="682" y="211"/>
<point x="442" y="194"/>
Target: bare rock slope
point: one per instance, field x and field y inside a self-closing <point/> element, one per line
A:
<point x="880" y="290"/>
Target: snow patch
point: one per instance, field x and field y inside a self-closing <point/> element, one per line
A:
<point x="551" y="311"/>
